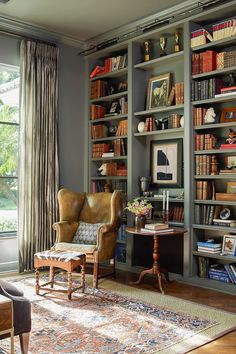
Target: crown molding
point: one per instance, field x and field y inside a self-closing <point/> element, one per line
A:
<point x="23" y="29"/>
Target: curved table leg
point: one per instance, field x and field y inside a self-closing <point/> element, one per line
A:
<point x="142" y="274"/>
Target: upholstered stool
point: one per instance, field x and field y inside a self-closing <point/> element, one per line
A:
<point x="66" y="260"/>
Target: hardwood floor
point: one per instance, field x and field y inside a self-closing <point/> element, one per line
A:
<point x="218" y="300"/>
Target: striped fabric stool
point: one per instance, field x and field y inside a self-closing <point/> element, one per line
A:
<point x="66" y="260"/>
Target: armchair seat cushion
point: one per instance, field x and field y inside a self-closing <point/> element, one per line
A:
<point x="64" y="246"/>
<point x="86" y="233"/>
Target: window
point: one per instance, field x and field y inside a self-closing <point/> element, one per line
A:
<point x="9" y="147"/>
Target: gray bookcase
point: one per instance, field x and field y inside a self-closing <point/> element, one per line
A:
<point x="137" y="158"/>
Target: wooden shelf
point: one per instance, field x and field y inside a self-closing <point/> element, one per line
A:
<point x="159" y="110"/>
<point x="109" y="97"/>
<point x="215" y="126"/>
<point x="215" y="202"/>
<point x="115" y="73"/>
<point x="215" y="256"/>
<point x="219" y="72"/>
<point x="161" y="132"/>
<point x="109" y="138"/>
<point x="214" y="228"/>
<point x="159" y="199"/>
<point x="109" y="158"/>
<point x="108" y="119"/>
<point x="215" y="100"/>
<point x="221" y="43"/>
<point x="168" y="59"/>
<point x="215" y="151"/>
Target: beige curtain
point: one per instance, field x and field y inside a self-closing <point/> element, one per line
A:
<point x="39" y="175"/>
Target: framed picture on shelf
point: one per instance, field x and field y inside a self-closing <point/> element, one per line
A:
<point x="166" y="163"/>
<point x="115" y="107"/>
<point x="228" y="115"/>
<point x="229" y="245"/>
<point x="231" y="187"/>
<point x="230" y="162"/>
<point x="158" y="91"/>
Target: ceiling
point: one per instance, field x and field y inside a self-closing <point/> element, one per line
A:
<point x="82" y="19"/>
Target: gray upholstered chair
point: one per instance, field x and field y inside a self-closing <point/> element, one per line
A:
<point x="21" y="314"/>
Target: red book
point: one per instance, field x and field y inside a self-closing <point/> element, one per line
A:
<point x="228" y="146"/>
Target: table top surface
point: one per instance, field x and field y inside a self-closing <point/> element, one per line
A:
<point x="168" y="232"/>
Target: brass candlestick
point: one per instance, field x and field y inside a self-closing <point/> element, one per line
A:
<point x="177" y="45"/>
<point x="163" y="43"/>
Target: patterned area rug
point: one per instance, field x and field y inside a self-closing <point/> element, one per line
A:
<point x="102" y="321"/>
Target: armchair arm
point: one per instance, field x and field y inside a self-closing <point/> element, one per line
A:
<point x="65" y="230"/>
<point x="106" y="242"/>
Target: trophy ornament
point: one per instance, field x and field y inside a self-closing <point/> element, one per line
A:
<point x="177" y="45"/>
<point x="147" y="50"/>
<point x="163" y="43"/>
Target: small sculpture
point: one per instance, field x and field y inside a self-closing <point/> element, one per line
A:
<point x="163" y="43"/>
<point x="210" y="116"/>
<point x="103" y="169"/>
<point x="141" y="126"/>
<point x="232" y="137"/>
<point x="177" y="45"/>
<point x="147" y="50"/>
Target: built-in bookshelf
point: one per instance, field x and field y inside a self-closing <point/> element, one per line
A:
<point x="146" y="124"/>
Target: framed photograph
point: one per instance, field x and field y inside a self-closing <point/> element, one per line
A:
<point x="115" y="107"/>
<point x="166" y="163"/>
<point x="231" y="187"/>
<point x="230" y="162"/>
<point x="158" y="91"/>
<point x="229" y="245"/>
<point x="228" y="115"/>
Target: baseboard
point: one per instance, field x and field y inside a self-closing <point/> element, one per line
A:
<point x="9" y="267"/>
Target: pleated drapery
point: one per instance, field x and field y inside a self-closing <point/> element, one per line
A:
<point x="39" y="170"/>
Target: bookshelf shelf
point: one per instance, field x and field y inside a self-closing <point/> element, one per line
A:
<point x="108" y="119"/>
<point x="109" y="158"/>
<point x="109" y="138"/>
<point x="159" y="199"/>
<point x="225" y="176"/>
<point x="215" y="202"/>
<point x="220" y="72"/>
<point x="215" y="100"/>
<point x="110" y="97"/>
<point x="160" y="110"/>
<point x="106" y="178"/>
<point x="214" y="228"/>
<point x="161" y="132"/>
<point x="168" y="59"/>
<point x="221" y="43"/>
<point x="215" y="256"/>
<point x="115" y="73"/>
<point x="215" y="126"/>
<point x="215" y="151"/>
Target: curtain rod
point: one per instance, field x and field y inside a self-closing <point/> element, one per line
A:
<point x="11" y="34"/>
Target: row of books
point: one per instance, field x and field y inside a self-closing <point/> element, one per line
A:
<point x="203" y="164"/>
<point x="204" y="214"/>
<point x="221" y="30"/>
<point x="99" y="89"/>
<point x="102" y="186"/>
<point x="99" y="131"/>
<point x="204" y="89"/>
<point x="199" y="115"/>
<point x="117" y="148"/>
<point x="225" y="273"/>
<point x="205" y="142"/>
<point x="210" y="60"/>
<point x="121" y="236"/>
<point x="99" y="149"/>
<point x="97" y="111"/>
<point x="205" y="190"/>
<point x="179" y="93"/>
<point x="110" y="64"/>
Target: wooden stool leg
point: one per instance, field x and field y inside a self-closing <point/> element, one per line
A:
<point x="83" y="274"/>
<point x="95" y="275"/>
<point x="69" y="291"/>
<point x="37" y="281"/>
<point x="12" y="342"/>
<point x="51" y="277"/>
<point x="24" y="343"/>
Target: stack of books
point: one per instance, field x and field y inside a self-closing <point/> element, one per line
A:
<point x="209" y="247"/>
<point x="156" y="227"/>
<point x="218" y="273"/>
<point x="231" y="271"/>
<point x="225" y="223"/>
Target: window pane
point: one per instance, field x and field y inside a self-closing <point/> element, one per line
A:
<point x="9" y="96"/>
<point x="8" y="149"/>
<point x="8" y="204"/>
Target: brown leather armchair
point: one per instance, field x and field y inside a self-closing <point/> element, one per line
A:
<point x="91" y="208"/>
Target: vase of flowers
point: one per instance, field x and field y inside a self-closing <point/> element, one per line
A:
<point x="141" y="208"/>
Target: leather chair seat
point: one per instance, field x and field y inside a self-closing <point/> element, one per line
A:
<point x="65" y="246"/>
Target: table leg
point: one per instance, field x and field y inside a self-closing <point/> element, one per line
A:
<point x="83" y="274"/>
<point x="37" y="281"/>
<point x="142" y="274"/>
<point x="51" y="276"/>
<point x="156" y="261"/>
<point x="69" y="291"/>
